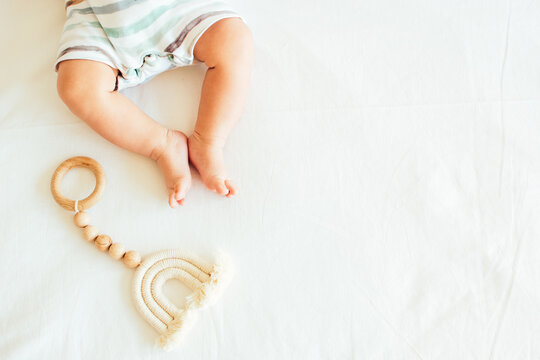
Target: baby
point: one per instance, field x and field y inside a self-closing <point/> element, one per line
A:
<point x="109" y="45"/>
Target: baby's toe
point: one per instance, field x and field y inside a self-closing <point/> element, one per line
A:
<point x="172" y="201"/>
<point x="217" y="184"/>
<point x="180" y="191"/>
<point x="231" y="188"/>
<point x="221" y="189"/>
<point x="177" y="195"/>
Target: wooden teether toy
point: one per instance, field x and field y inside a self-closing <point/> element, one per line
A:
<point x="205" y="280"/>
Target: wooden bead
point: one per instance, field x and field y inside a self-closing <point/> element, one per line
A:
<point x="103" y="242"/>
<point x="116" y="251"/>
<point x="90" y="232"/>
<point x="132" y="259"/>
<point x="81" y="219"/>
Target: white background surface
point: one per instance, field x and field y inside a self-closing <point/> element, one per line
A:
<point x="389" y="165"/>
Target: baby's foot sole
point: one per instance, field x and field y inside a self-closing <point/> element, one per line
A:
<point x="208" y="160"/>
<point x="174" y="164"/>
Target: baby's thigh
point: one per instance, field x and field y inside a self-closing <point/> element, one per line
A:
<point x="227" y="40"/>
<point x="80" y="77"/>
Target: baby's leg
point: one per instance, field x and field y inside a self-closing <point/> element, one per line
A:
<point x="227" y="49"/>
<point x="87" y="88"/>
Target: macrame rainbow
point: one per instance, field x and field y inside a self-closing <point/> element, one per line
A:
<point x="206" y="281"/>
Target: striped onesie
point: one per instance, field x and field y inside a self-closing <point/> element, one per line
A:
<point x="140" y="38"/>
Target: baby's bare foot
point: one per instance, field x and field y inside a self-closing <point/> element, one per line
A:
<point x="207" y="157"/>
<point x="172" y="159"/>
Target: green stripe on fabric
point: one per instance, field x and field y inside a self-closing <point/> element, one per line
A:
<point x="152" y="41"/>
<point x="144" y="44"/>
<point x="139" y="25"/>
<point x="155" y="38"/>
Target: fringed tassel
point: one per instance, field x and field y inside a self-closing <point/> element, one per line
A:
<point x="206" y="295"/>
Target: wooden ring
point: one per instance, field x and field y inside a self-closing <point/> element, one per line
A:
<point x="63" y="168"/>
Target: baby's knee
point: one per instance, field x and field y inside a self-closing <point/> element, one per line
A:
<point x="71" y="92"/>
<point x="230" y="43"/>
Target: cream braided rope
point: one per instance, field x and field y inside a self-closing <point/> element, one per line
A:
<point x="205" y="280"/>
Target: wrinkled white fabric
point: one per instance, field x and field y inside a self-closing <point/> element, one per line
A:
<point x="389" y="167"/>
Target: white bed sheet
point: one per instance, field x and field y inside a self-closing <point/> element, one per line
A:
<point x="389" y="165"/>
